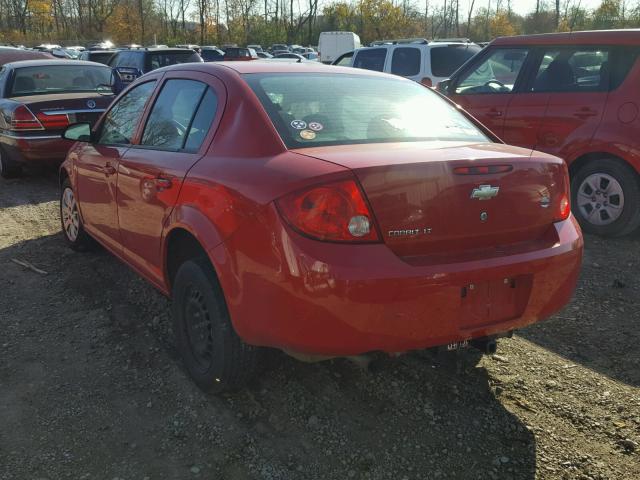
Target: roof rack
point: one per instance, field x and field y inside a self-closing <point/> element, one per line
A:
<point x="452" y="40"/>
<point x="400" y="41"/>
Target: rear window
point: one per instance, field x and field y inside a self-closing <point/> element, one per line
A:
<point x="164" y="59"/>
<point x="446" y="60"/>
<point x="371" y="59"/>
<point x="208" y="55"/>
<point x="60" y="79"/>
<point x="101" y="57"/>
<point x="324" y="109"/>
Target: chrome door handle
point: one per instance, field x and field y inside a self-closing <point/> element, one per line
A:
<point x="163" y="183"/>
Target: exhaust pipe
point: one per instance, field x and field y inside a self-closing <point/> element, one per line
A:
<point x="486" y="345"/>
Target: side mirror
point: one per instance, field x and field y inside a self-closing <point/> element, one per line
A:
<point x="78" y="132"/>
<point x="443" y="86"/>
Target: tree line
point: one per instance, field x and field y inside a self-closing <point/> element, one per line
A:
<point x="218" y="22"/>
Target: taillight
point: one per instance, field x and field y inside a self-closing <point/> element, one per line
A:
<point x="563" y="205"/>
<point x="23" y="119"/>
<point x="54" y="121"/>
<point x="563" y="208"/>
<point x="335" y="212"/>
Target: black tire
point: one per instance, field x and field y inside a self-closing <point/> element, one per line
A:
<point x="81" y="241"/>
<point x="215" y="356"/>
<point x="8" y="169"/>
<point x="627" y="177"/>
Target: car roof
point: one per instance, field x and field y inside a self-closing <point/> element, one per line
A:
<point x="275" y="66"/>
<point x="45" y="63"/>
<point x="587" y="37"/>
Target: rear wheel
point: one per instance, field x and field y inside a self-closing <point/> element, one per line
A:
<point x="606" y="197"/>
<point x="215" y="356"/>
<point x="8" y="169"/>
<point x="72" y="229"/>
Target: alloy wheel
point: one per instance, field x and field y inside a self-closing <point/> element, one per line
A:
<point x="600" y="199"/>
<point x="70" y="216"/>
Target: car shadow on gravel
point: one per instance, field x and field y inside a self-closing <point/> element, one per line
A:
<point x="87" y="362"/>
<point x="599" y="329"/>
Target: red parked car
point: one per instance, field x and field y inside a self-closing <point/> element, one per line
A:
<point x="239" y="54"/>
<point x="38" y="100"/>
<point x="292" y="206"/>
<point x="573" y="95"/>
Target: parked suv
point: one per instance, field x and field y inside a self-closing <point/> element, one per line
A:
<point x="417" y="59"/>
<point x="572" y="95"/>
<point x="131" y="64"/>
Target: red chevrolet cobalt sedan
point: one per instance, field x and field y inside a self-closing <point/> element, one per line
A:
<point x="320" y="210"/>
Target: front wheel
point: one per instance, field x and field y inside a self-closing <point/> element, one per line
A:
<point x="606" y="198"/>
<point x="213" y="353"/>
<point x="72" y="228"/>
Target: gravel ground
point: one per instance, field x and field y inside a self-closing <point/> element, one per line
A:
<point x="91" y="386"/>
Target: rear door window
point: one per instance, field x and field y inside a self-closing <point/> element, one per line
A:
<point x="497" y="72"/>
<point x="572" y="70"/>
<point x="344" y="60"/>
<point x="371" y="59"/>
<point x="171" y="121"/>
<point x="447" y="59"/>
<point x="406" y="61"/>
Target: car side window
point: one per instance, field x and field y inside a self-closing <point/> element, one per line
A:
<point x="170" y="122"/>
<point x="202" y="121"/>
<point x="496" y="73"/>
<point x="572" y="70"/>
<point x="406" y="61"/>
<point x="122" y="119"/>
<point x="371" y="59"/>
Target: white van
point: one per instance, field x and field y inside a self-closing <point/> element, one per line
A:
<point x="333" y="44"/>
<point x="417" y="59"/>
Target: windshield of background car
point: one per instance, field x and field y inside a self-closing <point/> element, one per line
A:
<point x="164" y="59"/>
<point x="60" y="79"/>
<point x="446" y="60"/>
<point x="327" y="109"/>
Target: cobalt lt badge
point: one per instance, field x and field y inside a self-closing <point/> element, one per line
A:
<point x="91" y="104"/>
<point x="484" y="216"/>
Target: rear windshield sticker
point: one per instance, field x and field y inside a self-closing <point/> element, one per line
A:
<point x="299" y="124"/>
<point x="308" y="134"/>
<point x="316" y="126"/>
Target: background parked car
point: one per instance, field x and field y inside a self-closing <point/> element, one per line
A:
<point x="38" y="100"/>
<point x="417" y="59"/>
<point x="574" y="96"/>
<point x="100" y="56"/>
<point x="332" y="45"/>
<point x="131" y="64"/>
<point x="240" y="54"/>
<point x="291" y="55"/>
<point x="211" y="54"/>
<point x="257" y="48"/>
<point x="12" y="54"/>
<point x="264" y="55"/>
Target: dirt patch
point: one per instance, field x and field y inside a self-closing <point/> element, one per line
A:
<point x="90" y="386"/>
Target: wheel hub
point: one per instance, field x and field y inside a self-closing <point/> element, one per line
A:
<point x="600" y="199"/>
<point x="70" y="216"/>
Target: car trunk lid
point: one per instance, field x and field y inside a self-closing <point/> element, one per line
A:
<point x="450" y="198"/>
<point x="51" y="109"/>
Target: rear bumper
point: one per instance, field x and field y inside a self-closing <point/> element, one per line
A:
<point x="290" y="292"/>
<point x="34" y="148"/>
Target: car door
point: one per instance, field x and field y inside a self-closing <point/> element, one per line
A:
<point x="177" y="132"/>
<point x="487" y="86"/>
<point x="97" y="164"/>
<point x="576" y="78"/>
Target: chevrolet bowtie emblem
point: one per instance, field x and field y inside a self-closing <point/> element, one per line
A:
<point x="484" y="192"/>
